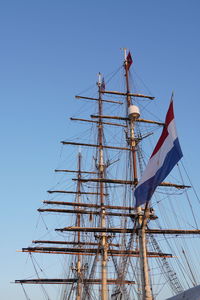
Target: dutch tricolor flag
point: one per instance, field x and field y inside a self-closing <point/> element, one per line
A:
<point x="164" y="157"/>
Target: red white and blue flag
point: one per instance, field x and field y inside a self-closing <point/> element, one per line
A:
<point x="165" y="156"/>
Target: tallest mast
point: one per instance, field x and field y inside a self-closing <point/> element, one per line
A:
<point x="133" y="114"/>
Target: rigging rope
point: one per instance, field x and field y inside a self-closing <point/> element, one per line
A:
<point x="87" y="288"/>
<point x="25" y="293"/>
<point x="188" y="197"/>
<point x="42" y="287"/>
<point x="169" y="272"/>
<point x="123" y="268"/>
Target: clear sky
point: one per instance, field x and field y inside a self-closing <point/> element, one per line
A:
<point x="51" y="50"/>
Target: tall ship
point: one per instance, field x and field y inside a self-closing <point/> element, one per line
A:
<point x="127" y="218"/>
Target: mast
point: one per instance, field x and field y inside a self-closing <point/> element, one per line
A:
<point x="142" y="219"/>
<point x="79" y="263"/>
<point x="101" y="168"/>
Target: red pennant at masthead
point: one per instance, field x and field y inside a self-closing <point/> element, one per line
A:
<point x="103" y="86"/>
<point x="129" y="60"/>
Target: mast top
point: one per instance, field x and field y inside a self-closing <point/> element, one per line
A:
<point x="99" y="79"/>
<point x="125" y="53"/>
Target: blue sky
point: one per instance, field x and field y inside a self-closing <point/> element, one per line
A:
<point x="52" y="50"/>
